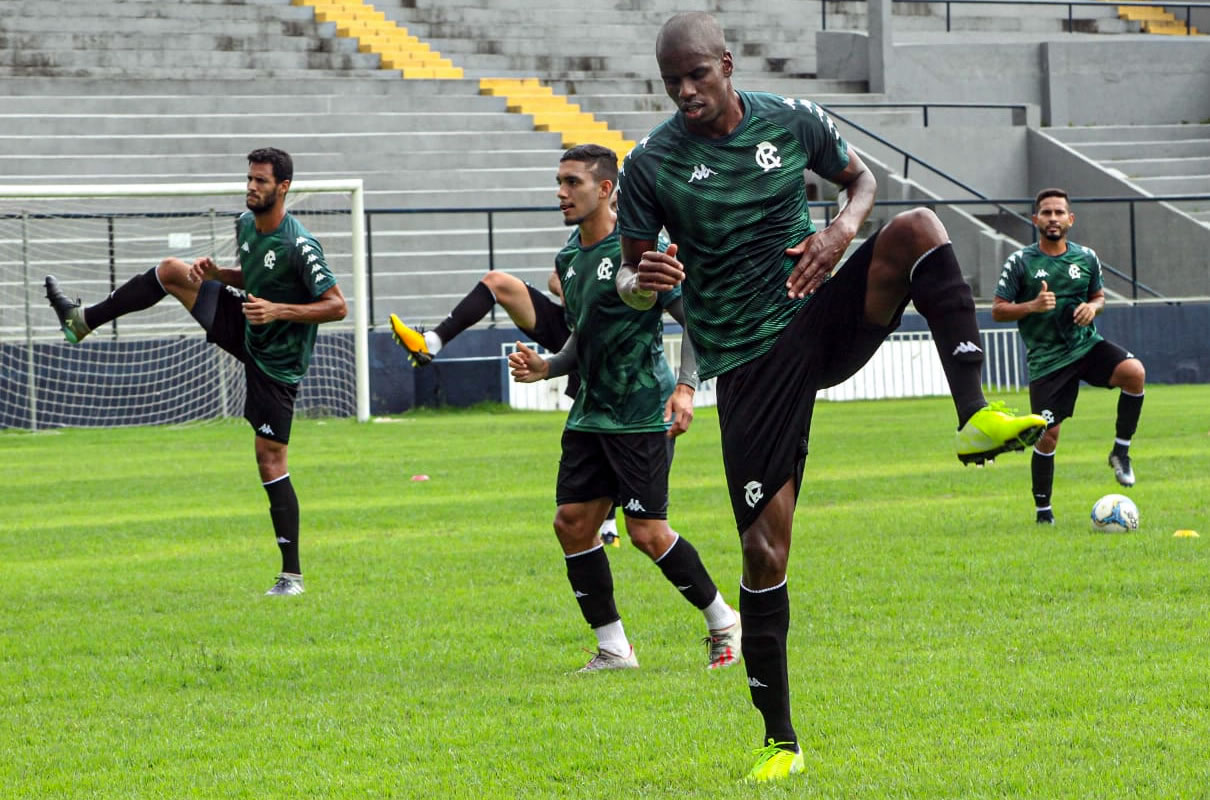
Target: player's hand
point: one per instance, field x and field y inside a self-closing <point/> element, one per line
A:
<point x="659" y="272"/>
<point x="259" y="311"/>
<point x="817" y="255"/>
<point x="1045" y="301"/>
<point x="204" y="269"/>
<point x="679" y="410"/>
<point x="526" y="365"/>
<point x="1085" y="313"/>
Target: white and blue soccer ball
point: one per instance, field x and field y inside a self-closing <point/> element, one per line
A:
<point x="1115" y="513"/>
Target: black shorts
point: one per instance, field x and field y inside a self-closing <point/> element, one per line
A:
<point x="629" y="468"/>
<point x="765" y="405"/>
<point x="1054" y="395"/>
<point x="550" y="330"/>
<point x="268" y="404"/>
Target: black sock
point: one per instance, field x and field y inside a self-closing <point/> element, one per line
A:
<point x="766" y="622"/>
<point x="943" y="298"/>
<point x="683" y="567"/>
<point x="1129" y="408"/>
<point x="141" y="291"/>
<point x="1042" y="468"/>
<point x="470" y="309"/>
<point x="283" y="509"/>
<point x="590" y="578"/>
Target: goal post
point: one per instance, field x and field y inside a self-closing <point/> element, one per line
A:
<point x="154" y="366"/>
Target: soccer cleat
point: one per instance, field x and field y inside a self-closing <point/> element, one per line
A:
<point x="287" y="584"/>
<point x="724" y="646"/>
<point x="603" y="659"/>
<point x="1122" y="469"/>
<point x="993" y="430"/>
<point x="412" y="341"/>
<point x="1045" y="517"/>
<point x="610" y="539"/>
<point x="774" y="762"/>
<point x="71" y="315"/>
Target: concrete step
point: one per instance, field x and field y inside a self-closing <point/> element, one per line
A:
<point x="650" y="84"/>
<point x="1158" y="167"/>
<point x="354" y="85"/>
<point x="297" y="123"/>
<point x="199" y="60"/>
<point x="1107" y="151"/>
<point x="18" y="76"/>
<point x="1094" y="134"/>
<point x="17" y="11"/>
<point x="593" y="66"/>
<point x="366" y="146"/>
<point x="180" y="42"/>
<point x="203" y="105"/>
<point x="1174" y="184"/>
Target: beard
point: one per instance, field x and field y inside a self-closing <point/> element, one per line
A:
<point x="1053" y="236"/>
<point x="262" y="206"/>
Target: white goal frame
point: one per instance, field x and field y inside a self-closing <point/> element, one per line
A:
<point x="354" y="187"/>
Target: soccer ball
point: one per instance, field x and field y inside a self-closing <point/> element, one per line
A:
<point x="1115" y="513"/>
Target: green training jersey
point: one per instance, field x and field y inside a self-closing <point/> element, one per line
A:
<point x="625" y="380"/>
<point x="285" y="266"/>
<point x="1052" y="338"/>
<point x="732" y="205"/>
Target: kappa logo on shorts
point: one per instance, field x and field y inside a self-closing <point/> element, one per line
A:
<point x="239" y="293"/>
<point x="634" y="505"/>
<point x="1049" y="416"/>
<point x="753" y="493"/>
<point x="967" y="347"/>
<point x="265" y="429"/>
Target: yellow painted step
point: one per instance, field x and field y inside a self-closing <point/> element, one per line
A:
<point x="1169" y="28"/>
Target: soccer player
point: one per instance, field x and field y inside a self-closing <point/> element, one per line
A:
<point x="1053" y="290"/>
<point x="616" y="442"/>
<point x="539" y="317"/>
<point x="264" y="313"/>
<point x="724" y="177"/>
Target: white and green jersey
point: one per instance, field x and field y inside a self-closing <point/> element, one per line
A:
<point x="284" y="266"/>
<point x="732" y="205"/>
<point x="1052" y="338"/>
<point x="625" y="380"/>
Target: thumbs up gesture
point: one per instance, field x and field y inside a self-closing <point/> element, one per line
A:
<point x="1045" y="301"/>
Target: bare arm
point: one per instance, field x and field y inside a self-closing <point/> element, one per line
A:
<point x="1005" y="311"/>
<point x="329" y="307"/>
<point x="819" y="253"/>
<point x="1087" y="311"/>
<point x="204" y="269"/>
<point x="554" y="285"/>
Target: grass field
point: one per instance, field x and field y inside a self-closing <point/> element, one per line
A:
<point x="942" y="645"/>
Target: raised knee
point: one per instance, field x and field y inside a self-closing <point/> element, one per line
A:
<point x="172" y="271"/>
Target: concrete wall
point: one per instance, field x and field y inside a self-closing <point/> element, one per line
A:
<point x="1076" y="80"/>
<point x="1166" y="243"/>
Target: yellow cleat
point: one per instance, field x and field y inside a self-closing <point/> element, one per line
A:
<point x="412" y="341"/>
<point x="774" y="762"/>
<point x="994" y="430"/>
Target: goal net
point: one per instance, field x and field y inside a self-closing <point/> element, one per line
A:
<point x="155" y="366"/>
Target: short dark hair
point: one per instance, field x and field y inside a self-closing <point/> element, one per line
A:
<point x="602" y="162"/>
<point x="1045" y="193"/>
<point x="283" y="165"/>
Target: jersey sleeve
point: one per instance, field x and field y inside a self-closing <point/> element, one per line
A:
<point x="1009" y="286"/>
<point x="827" y="151"/>
<point x="639" y="213"/>
<point x="313" y="269"/>
<point x="1096" y="281"/>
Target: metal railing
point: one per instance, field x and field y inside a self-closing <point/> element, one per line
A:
<point x="1070" y="5"/>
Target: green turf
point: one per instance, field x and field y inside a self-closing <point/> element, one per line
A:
<point x="942" y="645"/>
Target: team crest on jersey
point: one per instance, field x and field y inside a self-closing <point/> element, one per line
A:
<point x="270" y="259"/>
<point x="605" y="269"/>
<point x="766" y="156"/>
<point x="1074" y="272"/>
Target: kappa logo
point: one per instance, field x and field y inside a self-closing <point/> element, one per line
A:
<point x="300" y="240"/>
<point x="265" y="429"/>
<point x="634" y="505"/>
<point x="1049" y="416"/>
<point x="605" y="269"/>
<point x="756" y="684"/>
<point x="1040" y="274"/>
<point x="270" y="259"/>
<point x="1074" y="272"/>
<point x="236" y="291"/>
<point x="766" y="156"/>
<point x="317" y="268"/>
<point x="700" y="173"/>
<point x="571" y="271"/>
<point x="684" y="588"/>
<point x="282" y="540"/>
<point x="245" y="247"/>
<point x="967" y="347"/>
<point x="580" y="594"/>
<point x="753" y="492"/>
<point x="306" y="248"/>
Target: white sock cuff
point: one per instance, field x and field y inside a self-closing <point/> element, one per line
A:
<point x="762" y="591"/>
<point x="1051" y="454"/>
<point x="676" y="537"/>
<point x="1132" y="394"/>
<point x="583" y="553"/>
<point x="927" y="253"/>
<point x="1042" y="508"/>
<point x="275" y="480"/>
<point x="1122" y="442"/>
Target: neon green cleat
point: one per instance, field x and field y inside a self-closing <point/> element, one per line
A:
<point x="774" y="762"/>
<point x="994" y="430"/>
<point x="412" y="341"/>
<point x="71" y="315"/>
